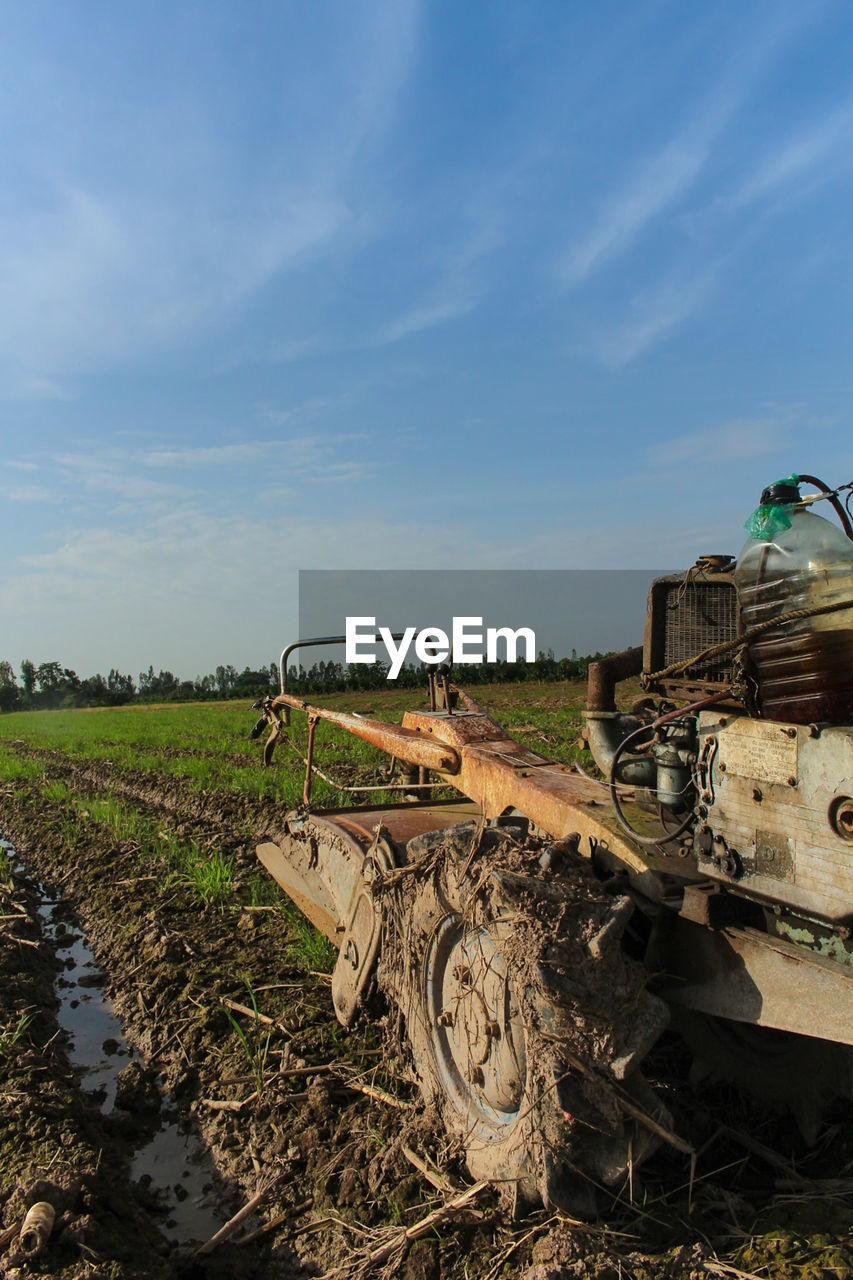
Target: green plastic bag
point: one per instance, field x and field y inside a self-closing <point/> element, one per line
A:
<point x="772" y="518"/>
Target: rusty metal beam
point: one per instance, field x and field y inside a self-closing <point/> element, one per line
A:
<point x="478" y="757"/>
<point x="749" y="976"/>
<point x="390" y="738"/>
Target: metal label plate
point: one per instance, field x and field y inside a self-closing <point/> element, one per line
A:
<point x="773" y="856"/>
<point x="753" y="749"/>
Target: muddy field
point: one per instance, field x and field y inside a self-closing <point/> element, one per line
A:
<point x="223" y="1080"/>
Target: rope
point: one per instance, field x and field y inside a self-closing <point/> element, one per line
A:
<point x="728" y="646"/>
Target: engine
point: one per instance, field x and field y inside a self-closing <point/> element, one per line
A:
<point x="751" y="781"/>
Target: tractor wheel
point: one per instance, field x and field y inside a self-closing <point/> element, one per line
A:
<point x="524" y="1020"/>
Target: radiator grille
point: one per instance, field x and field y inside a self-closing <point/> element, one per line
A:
<point x="695" y="616"/>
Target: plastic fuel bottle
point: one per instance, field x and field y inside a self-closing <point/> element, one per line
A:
<point x="792" y="560"/>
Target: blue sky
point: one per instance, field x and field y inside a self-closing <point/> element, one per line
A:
<point x="399" y="284"/>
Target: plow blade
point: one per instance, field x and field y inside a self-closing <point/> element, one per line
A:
<point x="319" y="862"/>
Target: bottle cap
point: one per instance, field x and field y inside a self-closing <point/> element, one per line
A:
<point x="782" y="492"/>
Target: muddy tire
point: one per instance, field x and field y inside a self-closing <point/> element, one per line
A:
<point x="525" y="1022"/>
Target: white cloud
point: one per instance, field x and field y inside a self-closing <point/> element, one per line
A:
<point x="137" y="244"/>
<point x="808" y="150"/>
<point x="424" y="317"/>
<point x="739" y="440"/>
<point x="192" y="588"/>
<point x="189" y="589"/>
<point x="111" y="474"/>
<point x="28" y="493"/>
<point x="101" y="278"/>
<point x="219" y="455"/>
<point x="660" y="180"/>
<point x="297" y="454"/>
<point x="139" y="483"/>
<point x="656" y="314"/>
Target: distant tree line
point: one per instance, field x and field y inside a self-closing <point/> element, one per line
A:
<point x="50" y="685"/>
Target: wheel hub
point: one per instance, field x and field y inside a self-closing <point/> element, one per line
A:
<point x="475" y="1028"/>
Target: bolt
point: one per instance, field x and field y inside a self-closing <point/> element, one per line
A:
<point x="723" y="722"/>
<point x="756" y="795"/>
<point x="792" y="733"/>
<point x="475" y="1075"/>
<point x="722" y="766"/>
<point x="792" y="782"/>
<point x="814" y="730"/>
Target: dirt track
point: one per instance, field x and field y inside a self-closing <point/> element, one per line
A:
<point x="335" y="1151"/>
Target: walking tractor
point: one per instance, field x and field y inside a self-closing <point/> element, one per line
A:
<point x="534" y="935"/>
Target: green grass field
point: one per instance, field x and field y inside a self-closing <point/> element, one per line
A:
<point x="208" y="745"/>
<point x="95" y="768"/>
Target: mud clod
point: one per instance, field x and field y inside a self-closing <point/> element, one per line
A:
<point x="137" y="1090"/>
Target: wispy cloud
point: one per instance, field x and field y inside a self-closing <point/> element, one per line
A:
<point x="424" y="317"/>
<point x="28" y="493"/>
<point x="220" y="455"/>
<point x="721" y="238"/>
<point x="660" y="180"/>
<point x="157" y="235"/>
<point x="145" y="482"/>
<point x="655" y="314"/>
<point x="664" y="176"/>
<point x="100" y="278"/>
<point x="738" y="440"/>
<point x="294" y="452"/>
<point x="807" y="150"/>
<point x="305" y="409"/>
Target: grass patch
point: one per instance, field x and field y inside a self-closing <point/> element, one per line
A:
<point x="56" y="791"/>
<point x="256" y="1045"/>
<point x="310" y="949"/>
<point x="15" y="768"/>
<point x="6" y="864"/>
<point x="9" y="1039"/>
<point x="207" y="872"/>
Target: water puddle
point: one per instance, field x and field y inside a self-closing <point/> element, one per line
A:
<point x="172" y="1166"/>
